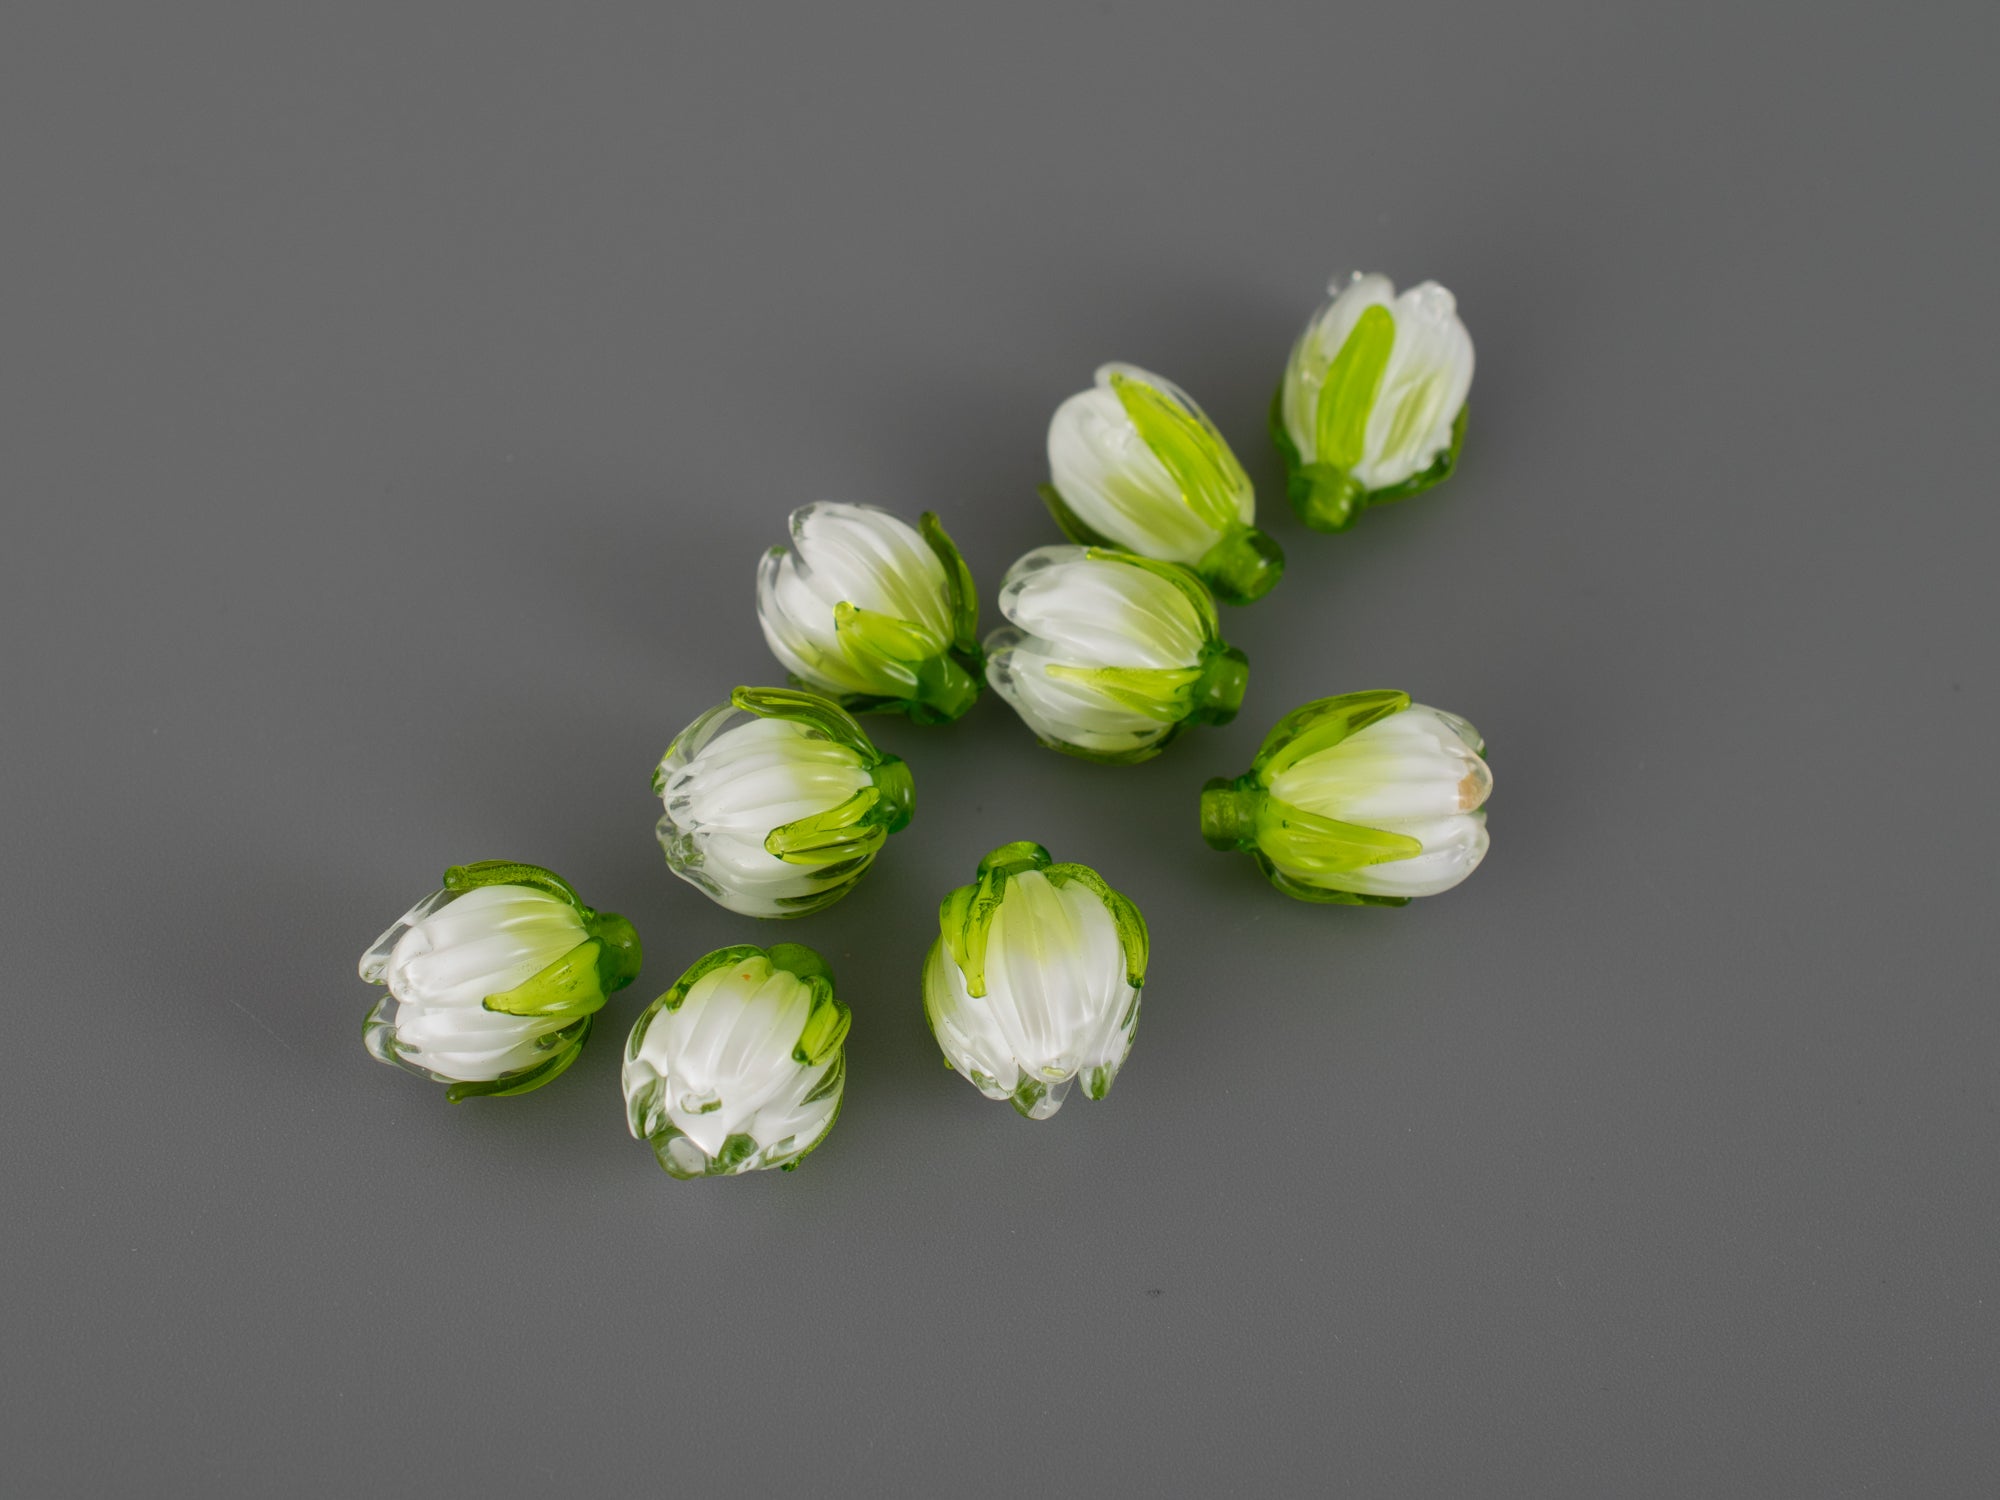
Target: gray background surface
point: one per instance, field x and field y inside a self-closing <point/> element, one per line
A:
<point x="396" y="399"/>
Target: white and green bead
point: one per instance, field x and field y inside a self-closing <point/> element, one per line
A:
<point x="872" y="612"/>
<point x="1372" y="406"/>
<point x="1110" y="655"/>
<point x="740" y="1065"/>
<point x="777" y="802"/>
<point x="1034" y="979"/>
<point x="1135" y="464"/>
<point x="494" y="979"/>
<point x="1365" y="799"/>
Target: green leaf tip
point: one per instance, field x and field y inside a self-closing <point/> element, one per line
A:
<point x="1187" y="445"/>
<point x="1133" y="937"/>
<point x="1015" y="858"/>
<point x="799" y="961"/>
<point x="868" y="633"/>
<point x="485" y="872"/>
<point x="963" y="595"/>
<point x="801" y="706"/>
<point x="965" y="917"/>
<point x="671" y="999"/>
<point x="1347" y="394"/>
<point x="578" y="982"/>
<point x="844" y="832"/>
<point x="939" y="686"/>
<point x="1320" y="725"/>
<point x="569" y="986"/>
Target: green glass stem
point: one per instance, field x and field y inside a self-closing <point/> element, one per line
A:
<point x="618" y="960"/>
<point x="899" y="793"/>
<point x="1218" y="691"/>
<point x="1243" y="566"/>
<point x="1229" y="812"/>
<point x="947" y="685"/>
<point x="1327" y="498"/>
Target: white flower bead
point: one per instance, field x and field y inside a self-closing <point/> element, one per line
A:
<point x="1134" y="463"/>
<point x="1366" y="798"/>
<point x="1372" y="406"/>
<point x="1034" y="979"/>
<point x="1110" y="654"/>
<point x="493" y="980"/>
<point x="872" y="612"/>
<point x="777" y="802"/>
<point x="739" y="1066"/>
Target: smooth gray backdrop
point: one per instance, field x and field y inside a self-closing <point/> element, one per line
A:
<point x="396" y="400"/>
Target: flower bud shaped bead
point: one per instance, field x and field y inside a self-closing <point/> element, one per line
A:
<point x="494" y="979"/>
<point x="1110" y="654"/>
<point x="1134" y="463"/>
<point x="739" y="1066"/>
<point x="873" y="613"/>
<point x="777" y="803"/>
<point x="1372" y="407"/>
<point x="1366" y="799"/>
<point x="1034" y="980"/>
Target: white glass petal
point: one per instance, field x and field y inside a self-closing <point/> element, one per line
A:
<point x="1072" y="612"/>
<point x="1453" y="848"/>
<point x="1063" y="709"/>
<point x="1412" y="766"/>
<point x="376" y="960"/>
<point x="1114" y="483"/>
<point x="440" y="971"/>
<point x="1417" y="773"/>
<point x="1097" y="611"/>
<point x="1428" y="377"/>
<point x="875" y="561"/>
<point x="798" y="629"/>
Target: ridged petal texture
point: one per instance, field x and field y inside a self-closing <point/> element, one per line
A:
<point x="441" y="961"/>
<point x="1381" y="410"/>
<point x="868" y="560"/>
<point x="1058" y="1001"/>
<point x="1120" y="487"/>
<point x="1102" y="654"/>
<point x="1418" y="773"/>
<point x="733" y="778"/>
<point x="721" y="1076"/>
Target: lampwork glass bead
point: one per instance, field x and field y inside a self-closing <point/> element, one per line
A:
<point x="777" y="802"/>
<point x="739" y="1066"/>
<point x="1110" y="655"/>
<point x="873" y="612"/>
<point x="493" y="979"/>
<point x="1134" y="463"/>
<point x="1366" y="799"/>
<point x="1034" y="979"/>
<point x="1372" y="405"/>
